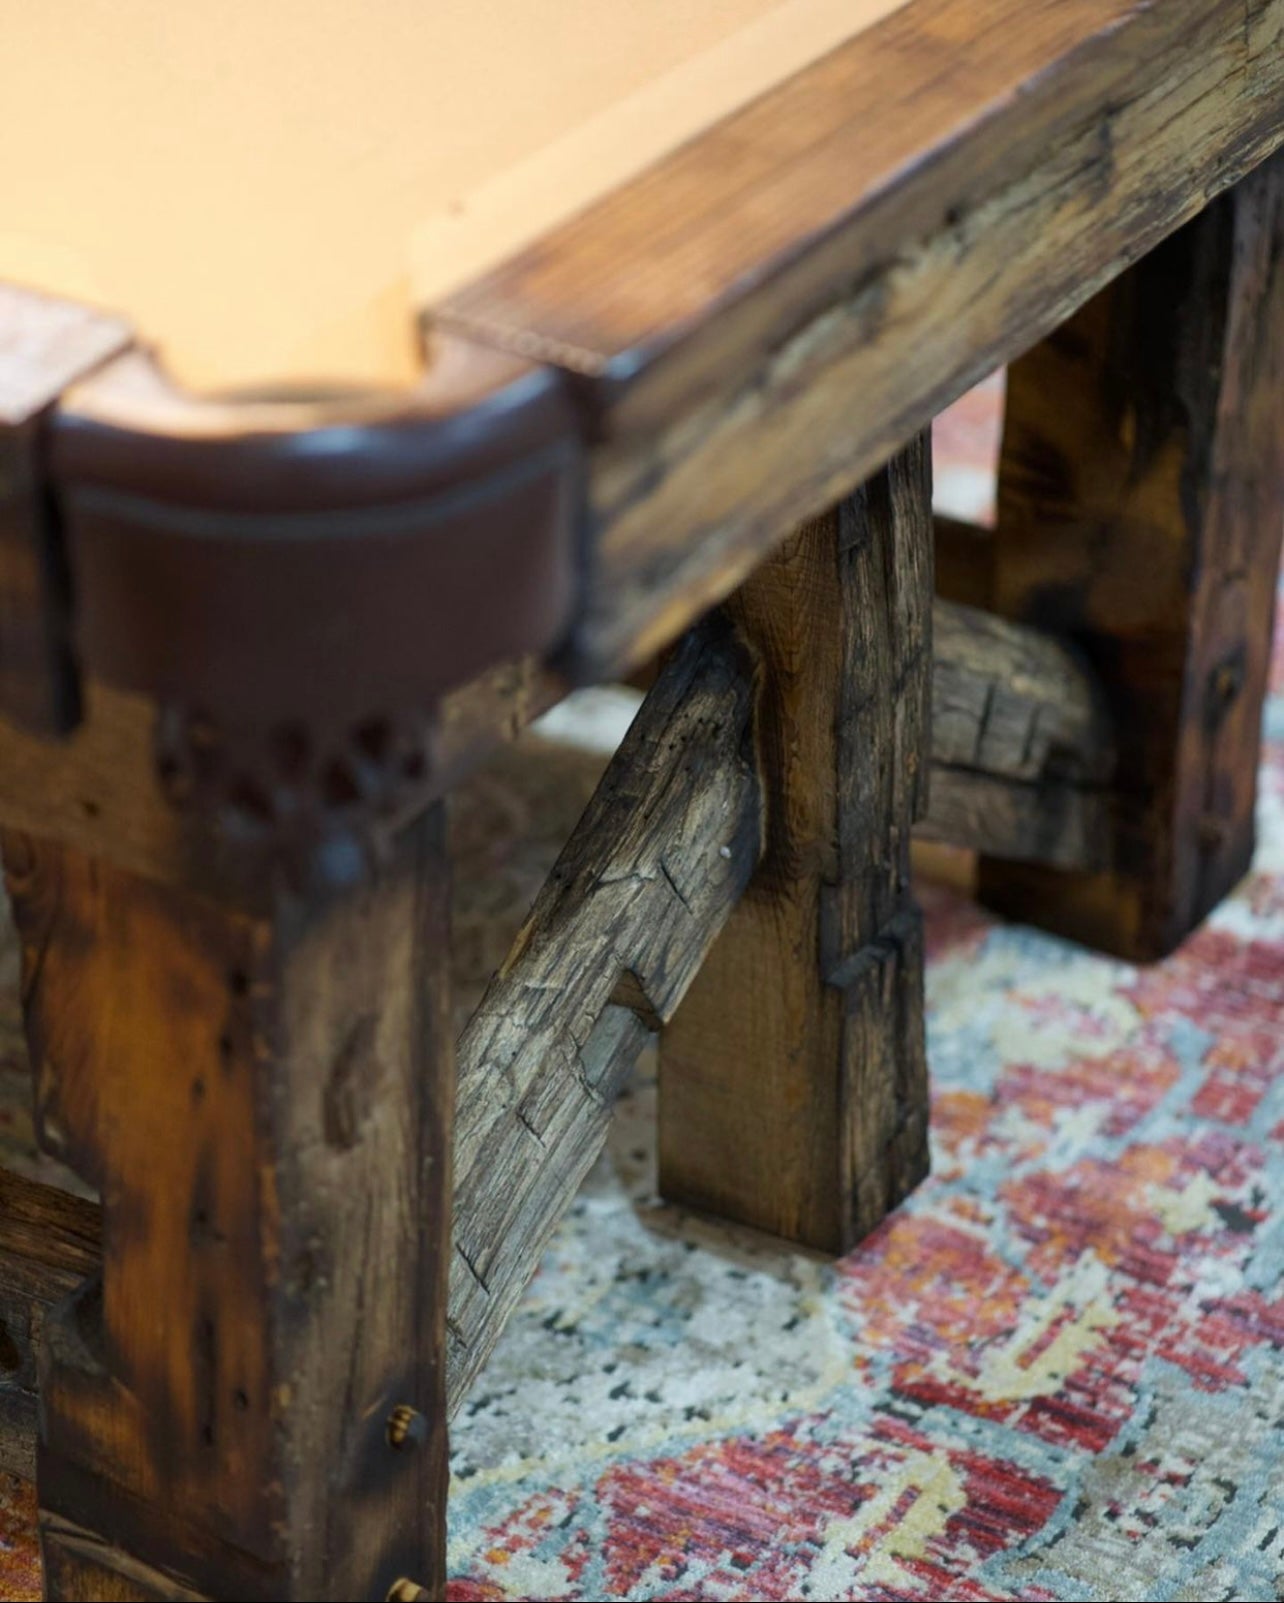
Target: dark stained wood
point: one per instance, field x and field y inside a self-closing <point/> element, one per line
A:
<point x="1140" y="503"/>
<point x="98" y="791"/>
<point x="1022" y="743"/>
<point x="793" y="1081"/>
<point x="650" y="875"/>
<point x="964" y="558"/>
<point x="49" y="1242"/>
<point x="264" y="1105"/>
<point x="37" y="678"/>
<point x="809" y="282"/>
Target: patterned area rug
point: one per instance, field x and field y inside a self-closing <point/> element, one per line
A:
<point x="1057" y="1373"/>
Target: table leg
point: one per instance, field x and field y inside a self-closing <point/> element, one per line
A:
<point x="793" y="1083"/>
<point x="249" y="1403"/>
<point x="1140" y="498"/>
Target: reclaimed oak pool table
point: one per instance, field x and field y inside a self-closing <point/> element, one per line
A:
<point x="370" y="376"/>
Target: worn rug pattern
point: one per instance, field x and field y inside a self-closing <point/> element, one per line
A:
<point x="1056" y="1373"/>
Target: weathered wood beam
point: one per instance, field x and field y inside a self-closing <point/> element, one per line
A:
<point x="1022" y="744"/>
<point x="793" y="1081"/>
<point x="1140" y="488"/>
<point x="914" y="209"/>
<point x="650" y="875"/>
<point x="264" y="1106"/>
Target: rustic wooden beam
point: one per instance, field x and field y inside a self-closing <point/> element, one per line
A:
<point x="654" y="868"/>
<point x="793" y="1087"/>
<point x="264" y="1106"/>
<point x="894" y="222"/>
<point x="1022" y="744"/>
<point x="1140" y="488"/>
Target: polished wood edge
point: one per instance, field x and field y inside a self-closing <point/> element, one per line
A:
<point x="944" y="85"/>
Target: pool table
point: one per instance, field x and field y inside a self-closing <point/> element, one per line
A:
<point x="372" y="376"/>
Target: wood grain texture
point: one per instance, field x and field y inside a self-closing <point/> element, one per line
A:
<point x="793" y="1082"/>
<point x="645" y="883"/>
<point x="816" y="277"/>
<point x="49" y="1242"/>
<point x="1141" y="488"/>
<point x="1023" y="747"/>
<point x="264" y="1106"/>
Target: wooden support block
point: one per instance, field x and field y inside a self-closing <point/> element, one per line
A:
<point x="264" y="1105"/>
<point x="793" y="1080"/>
<point x="1022" y="743"/>
<point x="1140" y="496"/>
<point x="662" y="854"/>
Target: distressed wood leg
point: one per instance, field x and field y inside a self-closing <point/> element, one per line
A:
<point x="793" y="1083"/>
<point x="1140" y="509"/>
<point x="249" y="1402"/>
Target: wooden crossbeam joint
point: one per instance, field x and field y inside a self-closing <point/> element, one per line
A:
<point x="650" y="874"/>
<point x="1023" y="743"/>
<point x="1010" y="705"/>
